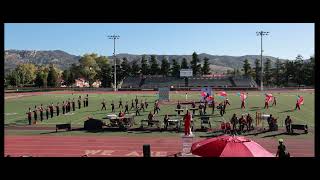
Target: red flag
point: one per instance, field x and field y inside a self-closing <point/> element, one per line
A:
<point x="223" y="93"/>
<point x="203" y="94"/>
<point x="243" y="96"/>
<point x="269" y="97"/>
<point x="301" y="100"/>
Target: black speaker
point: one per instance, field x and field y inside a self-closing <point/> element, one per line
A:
<point x="146" y="150"/>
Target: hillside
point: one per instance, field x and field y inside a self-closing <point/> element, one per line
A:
<point x="60" y="58"/>
<point x="63" y="60"/>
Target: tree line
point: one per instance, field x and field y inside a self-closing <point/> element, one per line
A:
<point x="93" y="67"/>
<point x="280" y="73"/>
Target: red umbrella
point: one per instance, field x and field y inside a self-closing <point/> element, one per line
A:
<point x="229" y="146"/>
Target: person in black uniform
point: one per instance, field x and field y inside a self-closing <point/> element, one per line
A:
<point x="146" y="103"/>
<point x="29" y="116"/>
<point x="57" y="109"/>
<point x="205" y="107"/>
<point x="281" y="150"/>
<point x="103" y="105"/>
<point x="213" y="106"/>
<point x="178" y="107"/>
<point x="84" y="102"/>
<point x="73" y="105"/>
<point x="41" y="113"/>
<point x="69" y="105"/>
<point x="120" y="103"/>
<point x="201" y="106"/>
<point x="132" y="104"/>
<point x="35" y="115"/>
<point x="220" y="107"/>
<point x="51" y="110"/>
<point x="137" y="110"/>
<point x="47" y="112"/>
<point x="66" y="106"/>
<point x="63" y="107"/>
<point x="193" y="105"/>
<point x="234" y="122"/>
<point x="137" y="101"/>
<point x="142" y="105"/>
<point x="224" y="108"/>
<point x="79" y="102"/>
<point x="87" y="100"/>
<point x="126" y="108"/>
<point x="112" y="106"/>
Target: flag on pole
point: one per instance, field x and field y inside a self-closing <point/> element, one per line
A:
<point x="243" y="96"/>
<point x="269" y="97"/>
<point x="223" y="93"/>
<point x="301" y="100"/>
<point x="203" y="94"/>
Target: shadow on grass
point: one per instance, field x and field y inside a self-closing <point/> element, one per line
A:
<point x="256" y="109"/>
<point x="256" y="133"/>
<point x="213" y="134"/>
<point x="283" y="133"/>
<point x="286" y="111"/>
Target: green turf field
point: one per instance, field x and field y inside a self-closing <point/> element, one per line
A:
<point x="15" y="109"/>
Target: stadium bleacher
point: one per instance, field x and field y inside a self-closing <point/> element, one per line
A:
<point x="160" y="81"/>
<point x="213" y="82"/>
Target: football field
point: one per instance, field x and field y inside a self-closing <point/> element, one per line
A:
<point x="42" y="140"/>
<point x="16" y="107"/>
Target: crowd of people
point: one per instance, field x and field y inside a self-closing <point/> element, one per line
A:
<point x="66" y="107"/>
<point x="135" y="105"/>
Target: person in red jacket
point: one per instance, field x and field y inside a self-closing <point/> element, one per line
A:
<point x="187" y="123"/>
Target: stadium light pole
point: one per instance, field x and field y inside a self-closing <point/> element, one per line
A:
<point x="114" y="37"/>
<point x="261" y="34"/>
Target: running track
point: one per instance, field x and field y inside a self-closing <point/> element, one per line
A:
<point x="102" y="146"/>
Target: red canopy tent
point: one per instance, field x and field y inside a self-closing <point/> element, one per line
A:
<point x="229" y="146"/>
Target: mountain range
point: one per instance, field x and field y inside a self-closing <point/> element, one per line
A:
<point x="64" y="60"/>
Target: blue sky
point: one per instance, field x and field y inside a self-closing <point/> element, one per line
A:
<point x="286" y="40"/>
